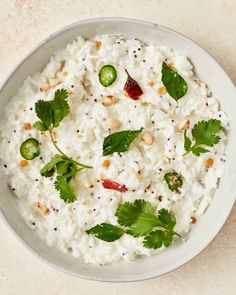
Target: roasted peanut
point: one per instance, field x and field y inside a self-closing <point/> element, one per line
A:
<point x="147" y="137"/>
<point x="109" y="100"/>
<point x="115" y="123"/>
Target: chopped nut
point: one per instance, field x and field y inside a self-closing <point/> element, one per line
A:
<point x="161" y="90"/>
<point x="185" y="124"/>
<point x="65" y="73"/>
<point x="209" y="162"/>
<point x="54" y="82"/>
<point x="144" y="104"/>
<point x="106" y="164"/>
<point x="171" y="65"/>
<point x="115" y="123"/>
<point x="198" y="82"/>
<point x="27" y="126"/>
<point x="147" y="137"/>
<point x="23" y="163"/>
<point x="42" y="208"/>
<point x="45" y="87"/>
<point x="109" y="100"/>
<point x="193" y="220"/>
<point x="166" y="160"/>
<point x="70" y="92"/>
<point x="98" y="44"/>
<point x="150" y="83"/>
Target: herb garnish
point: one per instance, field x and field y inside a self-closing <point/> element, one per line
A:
<point x="119" y="141"/>
<point x="173" y="180"/>
<point x="140" y="219"/>
<point x="106" y="232"/>
<point x="51" y="113"/>
<point x="175" y="85"/>
<point x="204" y="133"/>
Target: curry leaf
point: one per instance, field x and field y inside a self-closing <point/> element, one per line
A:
<point x="119" y="141"/>
<point x="106" y="232"/>
<point x="175" y="85"/>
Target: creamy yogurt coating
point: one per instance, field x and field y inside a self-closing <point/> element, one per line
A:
<point x="81" y="136"/>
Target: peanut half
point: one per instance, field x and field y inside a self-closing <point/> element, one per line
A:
<point x="115" y="123"/>
<point x="147" y="137"/>
<point x="109" y="100"/>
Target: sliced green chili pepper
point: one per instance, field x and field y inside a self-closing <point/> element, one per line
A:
<point x="173" y="180"/>
<point x="107" y="75"/>
<point x="29" y="149"/>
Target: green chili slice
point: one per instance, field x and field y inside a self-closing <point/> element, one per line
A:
<point x="29" y="149"/>
<point x="173" y="180"/>
<point x="107" y="75"/>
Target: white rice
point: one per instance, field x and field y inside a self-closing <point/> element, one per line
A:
<point x="81" y="135"/>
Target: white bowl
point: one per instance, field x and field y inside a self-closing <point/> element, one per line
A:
<point x="210" y="223"/>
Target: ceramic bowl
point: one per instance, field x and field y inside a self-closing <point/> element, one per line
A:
<point x="208" y="225"/>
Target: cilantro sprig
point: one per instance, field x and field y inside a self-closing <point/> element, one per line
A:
<point x="205" y="133"/>
<point x="139" y="219"/>
<point x="50" y="114"/>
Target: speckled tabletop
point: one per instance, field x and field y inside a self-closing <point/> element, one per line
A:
<point x="212" y="23"/>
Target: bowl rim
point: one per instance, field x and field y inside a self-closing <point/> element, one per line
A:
<point x="58" y="32"/>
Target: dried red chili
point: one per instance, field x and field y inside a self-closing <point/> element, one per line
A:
<point x="109" y="184"/>
<point x="132" y="88"/>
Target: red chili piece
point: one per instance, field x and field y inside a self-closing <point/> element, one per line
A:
<point x="109" y="184"/>
<point x="132" y="88"/>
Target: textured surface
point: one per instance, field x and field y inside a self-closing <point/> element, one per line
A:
<point x="24" y="23"/>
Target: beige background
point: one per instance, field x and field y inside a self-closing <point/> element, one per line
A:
<point x="212" y="23"/>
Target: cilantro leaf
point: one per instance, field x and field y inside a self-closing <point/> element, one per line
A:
<point x="139" y="216"/>
<point x="166" y="218"/>
<point x="204" y="133"/>
<point x="44" y="113"/>
<point x="63" y="167"/>
<point x="119" y="141"/>
<point x="60" y="106"/>
<point x="39" y="125"/>
<point x="128" y="213"/>
<point x="144" y="224"/>
<point x="64" y="188"/>
<point x="187" y="141"/>
<point x="175" y="85"/>
<point x="52" y="112"/>
<point x="106" y="232"/>
<point x="199" y="150"/>
<point x="50" y="166"/>
<point x="157" y="239"/>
